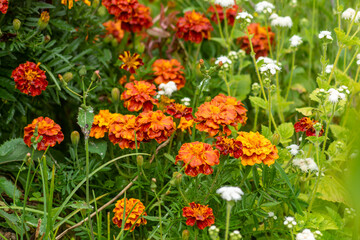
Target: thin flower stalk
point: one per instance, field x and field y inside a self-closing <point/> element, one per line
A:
<point x="291" y="75"/>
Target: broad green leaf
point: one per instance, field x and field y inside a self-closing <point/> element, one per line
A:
<point x="256" y="101"/>
<point x="345" y="39"/>
<point x="98" y="146"/>
<point x="332" y="189"/>
<point x="240" y="86"/>
<point x="8" y="187"/>
<point x="339" y="131"/>
<point x="316" y="140"/>
<point x="85" y="118"/>
<point x="306" y="111"/>
<point x="15" y="150"/>
<point x="286" y="131"/>
<point x="80" y="205"/>
<point x="219" y="40"/>
<point x="265" y="131"/>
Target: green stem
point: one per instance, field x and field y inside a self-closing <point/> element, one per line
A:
<point x="256" y="118"/>
<point x="219" y="23"/>
<point x="352" y="60"/>
<point x="312" y="196"/>
<point x="268" y="37"/>
<point x="311" y="38"/>
<point x="88" y="185"/>
<point x="291" y="75"/>
<point x="227" y="84"/>
<point x="269" y="108"/>
<point x="228" y="211"/>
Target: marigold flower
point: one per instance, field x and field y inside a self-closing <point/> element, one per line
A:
<point x="165" y="101"/>
<point x="256" y="149"/>
<point x="193" y="27"/>
<point x="154" y="125"/>
<point x="139" y="20"/>
<point x="48" y="129"/>
<point x="185" y="124"/>
<point x="169" y="70"/>
<point x="101" y="124"/>
<point x="29" y="78"/>
<point x="139" y="95"/>
<point x="122" y="131"/>
<point x="307" y="125"/>
<point x="179" y="110"/>
<point x="198" y="158"/>
<point x="114" y="28"/>
<point x="229" y="146"/>
<point x="202" y="215"/>
<point x="122" y="9"/>
<point x="4" y="5"/>
<point x="131" y="63"/>
<point x="239" y="107"/>
<point x="71" y="3"/>
<point x="45" y="17"/>
<point x="134" y="211"/>
<point x="259" y="41"/>
<point x="230" y="14"/>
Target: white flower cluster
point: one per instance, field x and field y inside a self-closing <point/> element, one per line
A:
<point x="225" y="3"/>
<point x="272" y="215"/>
<point x="290" y="222"/>
<point x="230" y="193"/>
<point x="270" y="66"/>
<point x="294" y="149"/>
<point x="283" y="22"/>
<point x="264" y="7"/>
<point x="245" y="16"/>
<point x="235" y="235"/>
<point x="329" y="68"/>
<point x="326" y="35"/>
<point x="226" y="62"/>
<point x="306" y="164"/>
<point x="306" y="234"/>
<point x="295" y="41"/>
<point x="167" y="88"/>
<point x="186" y="101"/>
<point x="349" y="15"/>
<point x="335" y="95"/>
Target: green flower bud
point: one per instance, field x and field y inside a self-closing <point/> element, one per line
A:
<point x="114" y="42"/>
<point x="140" y="161"/>
<point x="185" y="234"/>
<point x="47" y="38"/>
<point x="153" y="184"/>
<point x="275" y="139"/>
<point x="102" y="11"/>
<point x="68" y="76"/>
<point x="140" y="47"/>
<point x="115" y="95"/>
<point x="43" y="20"/>
<point x="75" y="138"/>
<point x="82" y="71"/>
<point x="16" y="24"/>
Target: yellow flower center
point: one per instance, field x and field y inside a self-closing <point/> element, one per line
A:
<point x="30" y="75"/>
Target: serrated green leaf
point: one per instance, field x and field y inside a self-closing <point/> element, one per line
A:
<point x="286" y="131"/>
<point x="9" y="188"/>
<point x="339" y="131"/>
<point x="256" y="101"/>
<point x="345" y="39"/>
<point x="85" y="118"/>
<point x="265" y="131"/>
<point x="168" y="156"/>
<point x="98" y="146"/>
<point x="240" y="86"/>
<point x="306" y="111"/>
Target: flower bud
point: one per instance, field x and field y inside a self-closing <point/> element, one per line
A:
<point x="256" y="89"/>
<point x="102" y="11"/>
<point x="96" y="76"/>
<point x="235" y="235"/>
<point x="75" y="138"/>
<point x="82" y="71"/>
<point x="153" y="184"/>
<point x="207" y="99"/>
<point x="140" y="161"/>
<point x="275" y="139"/>
<point x="114" y="42"/>
<point x="43" y="20"/>
<point x="185" y="234"/>
<point x="115" y="96"/>
<point x="47" y="38"/>
<point x="214" y="232"/>
<point x="95" y="3"/>
<point x="68" y="76"/>
<point x="16" y="24"/>
<point x="108" y="38"/>
<point x="177" y="177"/>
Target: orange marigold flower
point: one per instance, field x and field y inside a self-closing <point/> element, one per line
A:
<point x="71" y="3"/>
<point x="229" y="146"/>
<point x="122" y="131"/>
<point x="122" y="9"/>
<point x="198" y="158"/>
<point x="131" y="63"/>
<point x="307" y="125"/>
<point x="165" y="101"/>
<point x="4" y="5"/>
<point x="230" y="14"/>
<point x="193" y="27"/>
<point x="139" y="95"/>
<point x="139" y="20"/>
<point x="185" y="124"/>
<point x="239" y="107"/>
<point x="179" y="110"/>
<point x="45" y="17"/>
<point x="154" y="125"/>
<point x="202" y="215"/>
<point x="114" y="28"/>
<point x="257" y="149"/>
<point x="101" y="124"/>
<point x="259" y="41"/>
<point x="169" y="70"/>
<point x="29" y="78"/>
<point x="134" y="211"/>
<point x="48" y="129"/>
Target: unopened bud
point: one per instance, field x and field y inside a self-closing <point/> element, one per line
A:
<point x="255" y="88"/>
<point x="68" y="76"/>
<point x="140" y="161"/>
<point x="140" y="47"/>
<point x="153" y="184"/>
<point x="82" y="71"/>
<point x="75" y="138"/>
<point x="108" y="38"/>
<point x="102" y="11"/>
<point x="177" y="178"/>
<point x="47" y="38"/>
<point x="95" y="3"/>
<point x="95" y="76"/>
<point x="16" y="24"/>
<point x="185" y="234"/>
<point x="275" y="139"/>
<point x="43" y="20"/>
<point x="114" y="42"/>
<point x="115" y="96"/>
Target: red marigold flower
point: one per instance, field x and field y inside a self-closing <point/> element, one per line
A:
<point x="230" y="14"/>
<point x="259" y="41"/>
<point x="179" y="110"/>
<point x="229" y="146"/>
<point x="134" y="210"/>
<point x="139" y="20"/>
<point x="122" y="9"/>
<point x="139" y="95"/>
<point x="48" y="129"/>
<point x="202" y="215"/>
<point x="185" y="124"/>
<point x="122" y="131"/>
<point x="101" y="124"/>
<point x="131" y="63"/>
<point x="256" y="149"/>
<point x="4" y="5"/>
<point x="307" y="125"/>
<point x="169" y="70"/>
<point x="114" y="28"/>
<point x="198" y="158"/>
<point x="193" y="27"/>
<point x="154" y="125"/>
<point x="239" y="107"/>
<point x="30" y="79"/>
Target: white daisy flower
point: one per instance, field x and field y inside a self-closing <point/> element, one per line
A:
<point x="295" y="41"/>
<point x="245" y="16"/>
<point x="325" y="34"/>
<point x="294" y="149"/>
<point x="306" y="234"/>
<point x="290" y="222"/>
<point x="264" y="7"/>
<point x="230" y="193"/>
<point x="225" y="3"/>
<point x="283" y="22"/>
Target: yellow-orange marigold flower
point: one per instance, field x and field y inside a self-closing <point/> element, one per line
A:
<point x="71" y="3"/>
<point x="139" y="95"/>
<point x="179" y="110"/>
<point x="202" y="215"/>
<point x="185" y="124"/>
<point x="4" y="5"/>
<point x="169" y="70"/>
<point x="48" y="129"/>
<point x="45" y="17"/>
<point x="154" y="125"/>
<point x="239" y="107"/>
<point x="101" y="124"/>
<point x="122" y="9"/>
<point x="193" y="27"/>
<point x="134" y="210"/>
<point x="198" y="158"/>
<point x="257" y="149"/>
<point x="114" y="28"/>
<point x="229" y="146"/>
<point x="122" y="131"/>
<point x="130" y="63"/>
<point x="140" y="19"/>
